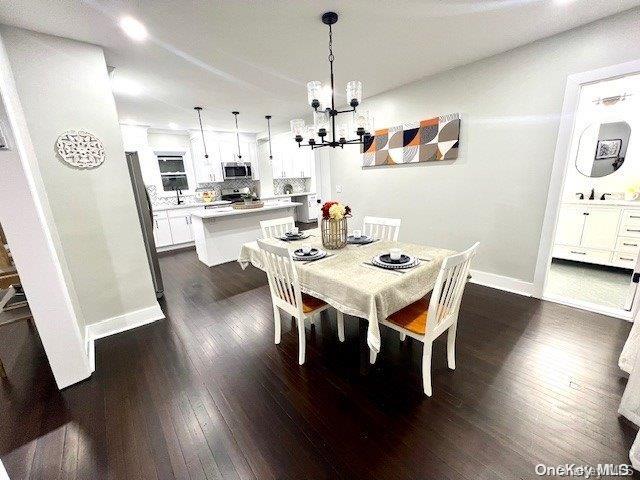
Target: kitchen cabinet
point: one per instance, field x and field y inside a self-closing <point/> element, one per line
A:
<point x="290" y="161"/>
<point x="173" y="227"/>
<point x="221" y="150"/>
<point x="601" y="234"/>
<point x="161" y="230"/>
<point x="206" y="170"/>
<point x="180" y="224"/>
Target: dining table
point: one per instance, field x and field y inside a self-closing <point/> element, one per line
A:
<point x="348" y="281"/>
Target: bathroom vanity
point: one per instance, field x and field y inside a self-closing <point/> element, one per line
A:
<point x="601" y="232"/>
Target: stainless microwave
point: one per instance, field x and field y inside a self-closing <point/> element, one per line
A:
<point x="231" y="170"/>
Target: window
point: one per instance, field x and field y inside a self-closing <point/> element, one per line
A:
<point x="172" y="172"/>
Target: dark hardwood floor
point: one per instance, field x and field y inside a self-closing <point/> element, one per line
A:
<point x="205" y="394"/>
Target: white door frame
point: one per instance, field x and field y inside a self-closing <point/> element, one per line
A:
<point x="556" y="182"/>
<point x="28" y="225"/>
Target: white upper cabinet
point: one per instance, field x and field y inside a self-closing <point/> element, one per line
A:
<point x="250" y="154"/>
<point x="290" y="161"/>
<point x="206" y="170"/>
<point x="222" y="148"/>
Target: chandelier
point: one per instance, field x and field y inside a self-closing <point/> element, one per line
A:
<point x="322" y="100"/>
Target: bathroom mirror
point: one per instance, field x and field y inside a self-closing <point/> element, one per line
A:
<point x="602" y="148"/>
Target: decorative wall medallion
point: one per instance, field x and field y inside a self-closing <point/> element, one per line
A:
<point x="80" y="149"/>
<point x="429" y="140"/>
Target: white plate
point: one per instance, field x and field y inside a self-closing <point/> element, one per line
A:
<point x="413" y="261"/>
<point x="321" y="253"/>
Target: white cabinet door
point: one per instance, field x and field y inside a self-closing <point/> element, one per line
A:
<point x="228" y="152"/>
<point x="570" y="225"/>
<point x="308" y="164"/>
<point x="250" y="154"/>
<point x="206" y="169"/>
<point x="601" y="228"/>
<point x="181" y="229"/>
<point x="162" y="232"/>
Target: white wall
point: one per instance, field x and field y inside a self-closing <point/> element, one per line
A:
<point x="63" y="84"/>
<point x="28" y="223"/>
<point x="496" y="191"/>
<point x="588" y="116"/>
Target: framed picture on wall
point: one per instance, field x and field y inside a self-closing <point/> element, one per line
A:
<point x="608" y="148"/>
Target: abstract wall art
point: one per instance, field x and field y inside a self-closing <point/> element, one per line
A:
<point x="429" y="140"/>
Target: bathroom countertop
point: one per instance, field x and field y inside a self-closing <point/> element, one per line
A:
<point x="604" y="203"/>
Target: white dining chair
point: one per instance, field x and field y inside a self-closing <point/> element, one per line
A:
<point x="429" y="317"/>
<point x="286" y="294"/>
<point x="276" y="227"/>
<point x="383" y="228"/>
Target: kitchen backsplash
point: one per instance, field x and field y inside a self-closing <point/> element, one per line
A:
<point x="192" y="199"/>
<point x="298" y="184"/>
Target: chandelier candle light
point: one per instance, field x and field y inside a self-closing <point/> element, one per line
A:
<point x="324" y="115"/>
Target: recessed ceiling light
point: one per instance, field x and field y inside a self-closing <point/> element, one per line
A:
<point x="133" y="28"/>
<point x="173" y="126"/>
<point x="124" y="86"/>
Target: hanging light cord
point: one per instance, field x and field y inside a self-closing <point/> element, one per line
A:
<point x="235" y="114"/>
<point x="204" y="144"/>
<point x="269" y="130"/>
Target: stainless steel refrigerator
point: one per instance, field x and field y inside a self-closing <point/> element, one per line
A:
<point x="145" y="213"/>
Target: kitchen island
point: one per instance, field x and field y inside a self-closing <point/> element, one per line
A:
<point x="220" y="233"/>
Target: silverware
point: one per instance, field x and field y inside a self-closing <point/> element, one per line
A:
<point x="318" y="259"/>
<point x="374" y="241"/>
<point x="382" y="268"/>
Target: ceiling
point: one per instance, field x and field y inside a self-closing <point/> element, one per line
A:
<point x="256" y="56"/>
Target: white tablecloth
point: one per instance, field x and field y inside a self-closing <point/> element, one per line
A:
<point x="356" y="289"/>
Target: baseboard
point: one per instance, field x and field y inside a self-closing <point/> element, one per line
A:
<point x="508" y="284"/>
<point x="118" y="324"/>
<point x="591" y="307"/>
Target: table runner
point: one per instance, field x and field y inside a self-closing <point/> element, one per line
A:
<point x="356" y="289"/>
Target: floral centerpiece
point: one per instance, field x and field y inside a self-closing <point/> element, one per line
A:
<point x="334" y="224"/>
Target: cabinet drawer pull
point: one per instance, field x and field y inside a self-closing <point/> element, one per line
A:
<point x="633" y="230"/>
<point x="628" y="259"/>
<point x="630" y="244"/>
<point x="579" y="253"/>
<point x="634" y="216"/>
<point x="585" y="213"/>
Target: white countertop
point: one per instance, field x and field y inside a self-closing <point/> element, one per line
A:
<point x="285" y="195"/>
<point x="162" y="208"/>
<point x="604" y="203"/>
<point x="230" y="211"/>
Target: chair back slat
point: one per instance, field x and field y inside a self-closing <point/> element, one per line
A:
<point x="276" y="227"/>
<point x="448" y="290"/>
<point x="383" y="228"/>
<point x="282" y="276"/>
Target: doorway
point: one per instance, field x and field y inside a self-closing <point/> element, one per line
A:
<point x="591" y="253"/>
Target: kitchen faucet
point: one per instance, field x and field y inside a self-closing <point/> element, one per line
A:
<point x="178" y="193"/>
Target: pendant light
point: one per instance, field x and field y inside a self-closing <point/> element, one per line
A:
<point x="235" y="114"/>
<point x="268" y="117"/>
<point x="204" y="144"/>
